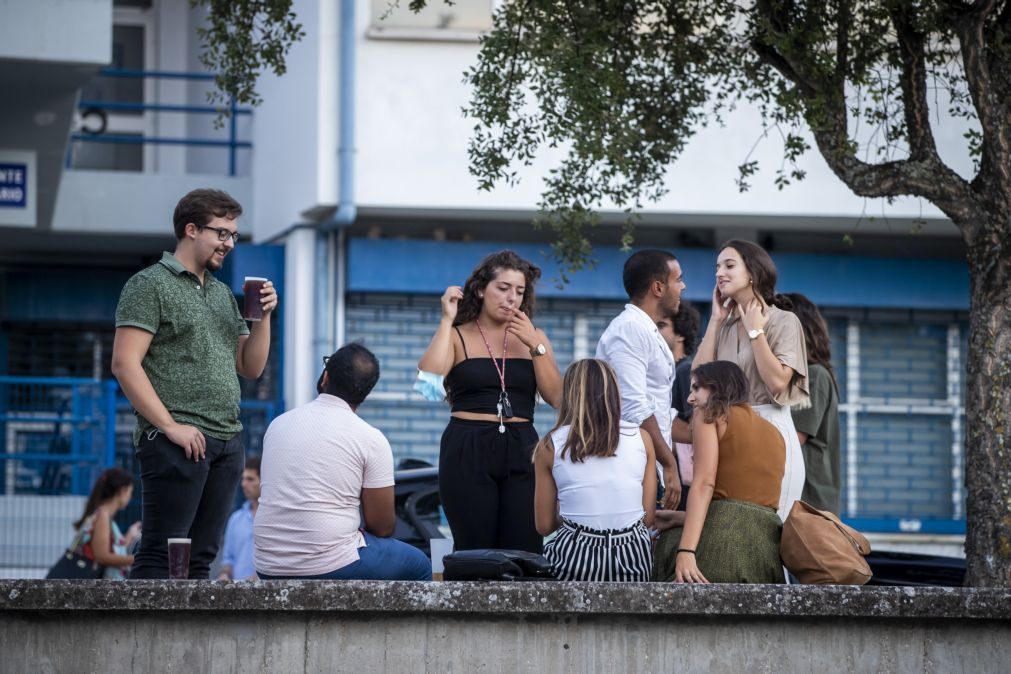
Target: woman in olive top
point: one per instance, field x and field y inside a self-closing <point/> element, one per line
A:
<point x="752" y="326"/>
<point x="818" y="422"/>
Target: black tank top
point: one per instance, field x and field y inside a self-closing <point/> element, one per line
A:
<point x="474" y="386"/>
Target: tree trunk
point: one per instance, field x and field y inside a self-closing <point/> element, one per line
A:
<point x="987" y="409"/>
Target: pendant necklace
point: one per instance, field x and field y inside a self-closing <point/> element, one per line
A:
<point x="504" y="407"/>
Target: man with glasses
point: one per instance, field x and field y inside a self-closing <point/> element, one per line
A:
<point x="180" y="344"/>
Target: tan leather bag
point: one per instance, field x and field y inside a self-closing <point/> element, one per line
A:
<point x="818" y="548"/>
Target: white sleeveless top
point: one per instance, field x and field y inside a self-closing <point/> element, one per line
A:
<point x="602" y="493"/>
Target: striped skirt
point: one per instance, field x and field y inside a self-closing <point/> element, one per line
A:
<point x="580" y="553"/>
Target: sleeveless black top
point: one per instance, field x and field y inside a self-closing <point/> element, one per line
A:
<point x="474" y="386"/>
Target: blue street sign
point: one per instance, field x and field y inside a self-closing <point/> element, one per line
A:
<point x="13" y="185"/>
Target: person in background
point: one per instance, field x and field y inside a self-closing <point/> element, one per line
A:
<point x="237" y="557"/>
<point x="100" y="538"/>
<point x="731" y="531"/>
<point x="817" y="423"/>
<point x="752" y="325"/>
<point x="596" y="483"/>
<point x="326" y="500"/>
<point x="495" y="363"/>
<point x="681" y="330"/>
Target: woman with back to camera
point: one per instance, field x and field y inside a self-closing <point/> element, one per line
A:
<point x="817" y="423"/>
<point x="495" y="363"/>
<point x="596" y="483"/>
<point x="100" y="537"/>
<point x="753" y="326"/>
<point x="731" y="531"/>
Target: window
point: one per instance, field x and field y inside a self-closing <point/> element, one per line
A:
<point x="462" y="20"/>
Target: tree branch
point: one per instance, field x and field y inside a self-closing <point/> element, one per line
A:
<point x="913" y="80"/>
<point x="992" y="112"/>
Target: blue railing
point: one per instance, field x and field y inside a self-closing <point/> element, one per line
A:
<point x="233" y="111"/>
<point x="58" y="433"/>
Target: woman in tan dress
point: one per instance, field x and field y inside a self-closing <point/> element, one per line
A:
<point x="752" y="326"/>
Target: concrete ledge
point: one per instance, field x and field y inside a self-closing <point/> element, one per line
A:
<point x="538" y="598"/>
<point x="326" y="626"/>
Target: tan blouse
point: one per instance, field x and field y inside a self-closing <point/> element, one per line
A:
<point x="786" y="338"/>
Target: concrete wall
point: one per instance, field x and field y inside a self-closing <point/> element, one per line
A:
<point x="322" y="626"/>
<point x="138" y="203"/>
<point x="65" y="31"/>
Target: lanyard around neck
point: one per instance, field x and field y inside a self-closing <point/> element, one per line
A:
<point x="505" y="345"/>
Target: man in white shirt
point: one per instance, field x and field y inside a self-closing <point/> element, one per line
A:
<point x="640" y="357"/>
<point x="323" y="471"/>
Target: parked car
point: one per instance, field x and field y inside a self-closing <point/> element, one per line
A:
<point x="419" y="517"/>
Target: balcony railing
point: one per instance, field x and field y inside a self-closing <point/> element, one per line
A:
<point x="90" y="107"/>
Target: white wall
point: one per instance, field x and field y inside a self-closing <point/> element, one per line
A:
<point x="294" y="130"/>
<point x="65" y="31"/>
<point x="412" y="147"/>
<point x="134" y="203"/>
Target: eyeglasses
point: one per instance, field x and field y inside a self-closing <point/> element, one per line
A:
<point x="326" y="359"/>
<point x="223" y="234"/>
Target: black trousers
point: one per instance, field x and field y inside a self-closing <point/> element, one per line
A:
<point x="185" y="499"/>
<point x="486" y="483"/>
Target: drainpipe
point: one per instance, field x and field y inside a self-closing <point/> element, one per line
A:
<point x="331" y="245"/>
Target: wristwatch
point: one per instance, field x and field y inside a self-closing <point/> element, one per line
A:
<point x="753" y="334"/>
<point x="538" y="350"/>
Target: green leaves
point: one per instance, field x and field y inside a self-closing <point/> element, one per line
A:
<point x="241" y="39"/>
<point x="622" y="85"/>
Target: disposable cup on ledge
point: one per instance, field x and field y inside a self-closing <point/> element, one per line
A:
<point x="440" y="548"/>
<point x="252" y="310"/>
<point x="179" y="558"/>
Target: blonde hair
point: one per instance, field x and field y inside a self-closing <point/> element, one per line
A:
<point x="591" y="408"/>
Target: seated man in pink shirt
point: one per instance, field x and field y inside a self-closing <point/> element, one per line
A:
<point x="326" y="494"/>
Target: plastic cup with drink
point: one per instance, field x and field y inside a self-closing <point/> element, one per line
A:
<point x="179" y="558"/>
<point x="252" y="310"/>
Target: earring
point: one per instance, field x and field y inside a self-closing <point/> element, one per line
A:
<point x="750" y="281"/>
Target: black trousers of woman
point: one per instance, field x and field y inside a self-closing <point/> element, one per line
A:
<point x="486" y="483"/>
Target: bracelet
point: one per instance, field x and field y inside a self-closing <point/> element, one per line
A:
<point x="680" y="550"/>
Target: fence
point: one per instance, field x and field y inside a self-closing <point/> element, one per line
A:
<point x="89" y="108"/>
<point x="57" y="435"/>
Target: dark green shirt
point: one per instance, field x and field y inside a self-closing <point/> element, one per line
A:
<point x="821" y="451"/>
<point x="191" y="360"/>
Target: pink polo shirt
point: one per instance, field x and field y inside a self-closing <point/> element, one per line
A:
<point x="316" y="460"/>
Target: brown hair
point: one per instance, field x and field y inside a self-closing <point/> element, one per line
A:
<point x="727" y="384"/>
<point x="106" y="486"/>
<point x="815" y="333"/>
<point x="591" y="408"/>
<point x="485" y="272"/>
<point x="202" y="205"/>
<point x="762" y="270"/>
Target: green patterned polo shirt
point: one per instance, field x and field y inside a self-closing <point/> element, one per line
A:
<point x="191" y="360"/>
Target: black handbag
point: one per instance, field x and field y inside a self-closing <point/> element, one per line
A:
<point x="74" y="566"/>
<point x="489" y="564"/>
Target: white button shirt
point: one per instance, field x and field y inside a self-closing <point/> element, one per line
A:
<point x="644" y="365"/>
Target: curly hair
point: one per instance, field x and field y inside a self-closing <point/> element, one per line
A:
<point x="763" y="272"/>
<point x="686" y="324"/>
<point x="727" y="385"/>
<point x="485" y="272"/>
